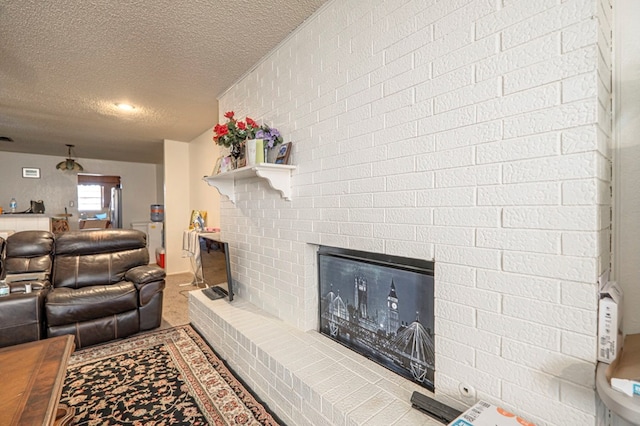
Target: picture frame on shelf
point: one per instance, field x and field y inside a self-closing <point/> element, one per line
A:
<point x="283" y="154"/>
<point x="216" y="167"/>
<point x="226" y="164"/>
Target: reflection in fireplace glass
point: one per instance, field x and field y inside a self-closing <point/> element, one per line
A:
<point x="381" y="307"/>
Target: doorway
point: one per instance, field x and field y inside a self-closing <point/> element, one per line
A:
<point x="99" y="202"/>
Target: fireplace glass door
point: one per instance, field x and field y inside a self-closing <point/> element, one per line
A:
<point x="381" y="307"/>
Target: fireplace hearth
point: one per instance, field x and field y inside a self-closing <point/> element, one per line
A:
<point x="382" y="307"/>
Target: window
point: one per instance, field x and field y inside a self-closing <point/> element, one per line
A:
<point x="94" y="192"/>
<point x="90" y="197"/>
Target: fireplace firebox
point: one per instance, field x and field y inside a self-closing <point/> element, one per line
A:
<point x="382" y="307"/>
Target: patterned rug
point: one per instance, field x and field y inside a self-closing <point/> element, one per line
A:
<point x="166" y="377"/>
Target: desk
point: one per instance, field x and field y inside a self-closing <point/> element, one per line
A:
<point x="32" y="378"/>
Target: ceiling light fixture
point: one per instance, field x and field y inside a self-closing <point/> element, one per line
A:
<point x="125" y="107"/>
<point x="69" y="164"/>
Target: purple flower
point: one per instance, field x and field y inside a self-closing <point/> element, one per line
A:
<point x="270" y="136"/>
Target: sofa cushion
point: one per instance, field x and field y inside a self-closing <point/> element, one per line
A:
<point x="88" y="258"/>
<point x="29" y="251"/>
<point x="94" y="269"/>
<point x="68" y="306"/>
<point x="99" y="241"/>
<point x="29" y="244"/>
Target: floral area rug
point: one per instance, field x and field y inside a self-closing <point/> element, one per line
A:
<point x="166" y="377"/>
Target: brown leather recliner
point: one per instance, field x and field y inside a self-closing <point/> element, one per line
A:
<point x="27" y="258"/>
<point x="103" y="287"/>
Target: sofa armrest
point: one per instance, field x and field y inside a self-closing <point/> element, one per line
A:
<point x="19" y="286"/>
<point x="145" y="274"/>
<point x="17" y="281"/>
<point x="21" y="318"/>
<point x="148" y="279"/>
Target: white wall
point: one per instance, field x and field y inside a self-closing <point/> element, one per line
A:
<point x="184" y="166"/>
<point x="627" y="171"/>
<point x="203" y="154"/>
<point x="57" y="188"/>
<point x="474" y="133"/>
<point x="177" y="208"/>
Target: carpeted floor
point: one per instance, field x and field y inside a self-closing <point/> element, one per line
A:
<point x="165" y="377"/>
<point x="175" y="307"/>
<point x="175" y="310"/>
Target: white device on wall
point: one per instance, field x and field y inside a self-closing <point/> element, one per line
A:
<point x="155" y="239"/>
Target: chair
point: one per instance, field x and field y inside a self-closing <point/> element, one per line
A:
<point x="103" y="287"/>
<point x="87" y="224"/>
<point x="59" y="225"/>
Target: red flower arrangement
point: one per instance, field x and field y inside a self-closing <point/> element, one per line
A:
<point x="234" y="132"/>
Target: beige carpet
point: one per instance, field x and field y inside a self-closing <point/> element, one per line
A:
<point x="175" y="309"/>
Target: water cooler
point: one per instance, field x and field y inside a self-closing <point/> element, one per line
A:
<point x="154" y="231"/>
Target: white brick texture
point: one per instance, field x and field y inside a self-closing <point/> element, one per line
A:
<point x="473" y="133"/>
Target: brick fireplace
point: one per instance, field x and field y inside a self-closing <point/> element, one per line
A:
<point x="474" y="134"/>
<point x="381" y="307"/>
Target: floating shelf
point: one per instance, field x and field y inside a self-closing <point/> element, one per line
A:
<point x="277" y="175"/>
<point x="627" y="407"/>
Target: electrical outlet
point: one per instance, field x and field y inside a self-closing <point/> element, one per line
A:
<point x="72" y="203"/>
<point x="467" y="391"/>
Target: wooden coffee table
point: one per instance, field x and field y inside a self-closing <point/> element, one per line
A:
<point x="31" y="379"/>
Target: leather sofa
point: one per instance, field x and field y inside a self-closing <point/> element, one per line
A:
<point x="99" y="286"/>
<point x="27" y="258"/>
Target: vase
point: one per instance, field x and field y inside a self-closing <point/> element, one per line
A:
<point x="254" y="151"/>
<point x="236" y="152"/>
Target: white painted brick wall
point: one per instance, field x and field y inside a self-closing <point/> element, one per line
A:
<point x="471" y="132"/>
<point x="519" y="240"/>
<point x="535" y="146"/>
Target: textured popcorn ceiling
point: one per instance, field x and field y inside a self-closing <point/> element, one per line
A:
<point x="64" y="63"/>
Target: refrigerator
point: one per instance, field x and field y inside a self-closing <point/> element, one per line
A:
<point x="115" y="207"/>
<point x="155" y="240"/>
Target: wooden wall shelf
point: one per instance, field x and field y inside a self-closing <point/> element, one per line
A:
<point x="277" y="175"/>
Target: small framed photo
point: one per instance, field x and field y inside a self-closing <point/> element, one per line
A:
<point x="283" y="154"/>
<point x="216" y="168"/>
<point x="31" y="173"/>
<point x="225" y="164"/>
<point x="198" y="218"/>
